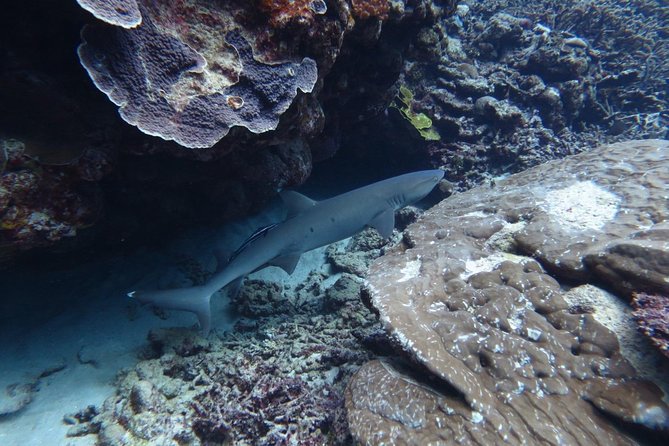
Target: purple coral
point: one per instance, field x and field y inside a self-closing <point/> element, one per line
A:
<point x="156" y="79"/>
<point x="651" y="313"/>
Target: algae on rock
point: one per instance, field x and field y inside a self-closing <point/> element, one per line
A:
<point x="420" y="121"/>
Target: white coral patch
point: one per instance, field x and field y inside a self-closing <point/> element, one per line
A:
<point x="583" y="205"/>
<point x="488" y="263"/>
<point x="411" y="269"/>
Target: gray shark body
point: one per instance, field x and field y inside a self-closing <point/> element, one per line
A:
<point x="309" y="225"/>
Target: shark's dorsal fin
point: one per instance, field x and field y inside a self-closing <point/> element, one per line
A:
<point x="286" y="262"/>
<point x="384" y="223"/>
<point x="296" y="203"/>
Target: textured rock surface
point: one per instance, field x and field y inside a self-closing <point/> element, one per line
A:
<point x="495" y="326"/>
<point x="618" y="316"/>
<point x="386" y="406"/>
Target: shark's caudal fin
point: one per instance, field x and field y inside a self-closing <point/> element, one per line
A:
<point x="193" y="299"/>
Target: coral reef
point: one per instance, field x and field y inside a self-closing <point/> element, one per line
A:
<point x="617" y="315"/>
<point x="465" y="298"/>
<point x="507" y="88"/>
<point x="279" y="385"/>
<point x="284" y="13"/>
<point x="40" y="203"/>
<point x="652" y="314"/>
<point x="193" y="53"/>
<point x="642" y="254"/>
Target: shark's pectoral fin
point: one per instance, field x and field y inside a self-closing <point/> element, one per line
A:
<point x="296" y="203"/>
<point x="384" y="223"/>
<point x="286" y="262"/>
<point x="235" y="286"/>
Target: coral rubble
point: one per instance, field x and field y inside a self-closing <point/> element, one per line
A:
<point x="277" y="378"/>
<point x="466" y="299"/>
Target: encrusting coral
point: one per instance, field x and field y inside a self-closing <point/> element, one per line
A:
<point x="465" y="298"/>
<point x="196" y="97"/>
<point x="39" y="203"/>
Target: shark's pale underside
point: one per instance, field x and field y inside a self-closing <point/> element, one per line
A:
<point x="310" y="224"/>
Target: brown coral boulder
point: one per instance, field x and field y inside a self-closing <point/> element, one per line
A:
<point x="522" y="365"/>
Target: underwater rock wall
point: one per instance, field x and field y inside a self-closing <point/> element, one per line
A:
<point x="474" y="297"/>
<point x="503" y="87"/>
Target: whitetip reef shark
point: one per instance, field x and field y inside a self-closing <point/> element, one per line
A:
<point x="310" y="224"/>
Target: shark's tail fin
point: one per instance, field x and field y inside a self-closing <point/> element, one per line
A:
<point x="193" y="299"/>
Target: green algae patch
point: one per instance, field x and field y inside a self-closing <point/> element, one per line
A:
<point x="420" y="121"/>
